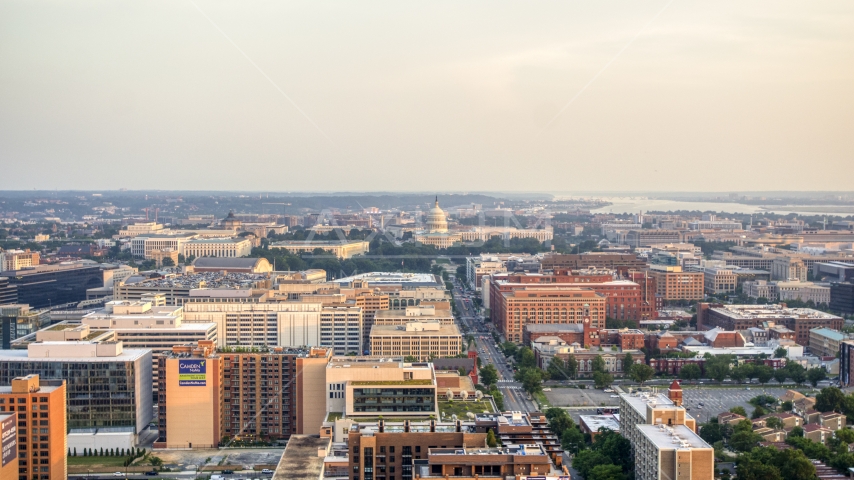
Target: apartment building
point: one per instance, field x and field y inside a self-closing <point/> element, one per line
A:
<point x="825" y="342"/>
<point x="665" y="452"/>
<point x="18" y="259"/>
<point x="107" y="386"/>
<point x="218" y="247"/>
<point x="38" y="449"/>
<point x="674" y="284"/>
<point x="265" y="394"/>
<point x="744" y="317"/>
<point x="484" y="265"/>
<point x="342" y="250"/>
<point x="422" y="340"/>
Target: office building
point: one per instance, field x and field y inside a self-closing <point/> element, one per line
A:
<point x="51" y="285"/>
<point x="17" y="321"/>
<point x="484" y="265"/>
<point x="144" y="246"/>
<point x="218" y="247"/>
<point x="834" y="271"/>
<point x="512" y="310"/>
<point x="622" y="297"/>
<point x="674" y="284"/>
<point x="8" y="292"/>
<point x="846" y="363"/>
<point x="842" y="297"/>
<point x="18" y="259"/>
<point x="719" y="280"/>
<point x="107" y="386"/>
<point x="247" y="317"/>
<point x="341" y="328"/>
<point x="606" y="260"/>
<point x="640" y="238"/>
<point x="421" y="313"/>
<point x="398" y="280"/>
<point x="422" y="340"/>
<point x="342" y="249"/>
<point x="743" y="317"/>
<point x="40" y="442"/>
<point x="142" y="228"/>
<point x="825" y="342"/>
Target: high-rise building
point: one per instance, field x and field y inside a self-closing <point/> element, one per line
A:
<point x="674" y="284"/>
<point x="341" y="328"/>
<point x="106" y="385"/>
<point x="18" y="259"/>
<point x="8" y="292"/>
<point x="846" y="363"/>
<point x="842" y="297"/>
<point x="267" y="394"/>
<point x="9" y="442"/>
<point x="41" y="428"/>
<point x="18" y="321"/>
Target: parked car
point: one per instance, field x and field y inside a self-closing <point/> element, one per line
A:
<point x="227" y="472"/>
<point x="547" y="389"/>
<point x="151" y="473"/>
<point x="267" y="471"/>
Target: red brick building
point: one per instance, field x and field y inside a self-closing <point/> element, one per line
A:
<point x="742" y="317"/>
<point x="512" y="309"/>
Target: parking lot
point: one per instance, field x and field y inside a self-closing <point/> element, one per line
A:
<point x="717" y="400"/>
<point x="714" y="399"/>
<point x="237" y="459"/>
<point x="573" y="397"/>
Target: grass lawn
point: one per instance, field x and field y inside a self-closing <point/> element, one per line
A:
<point x="459" y="408"/>
<point x="541" y="398"/>
<point x="442" y="260"/>
<point x="103" y="461"/>
<point x="334" y="416"/>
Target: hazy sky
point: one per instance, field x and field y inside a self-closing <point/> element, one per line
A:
<point x="438" y="95"/>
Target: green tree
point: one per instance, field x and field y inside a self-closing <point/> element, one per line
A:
<point x="571" y="365"/>
<point x="488" y="375"/>
<point x="606" y="472"/>
<point x="774" y="422"/>
<point x="758" y="412"/>
<point x="557" y="369"/>
<point x="764" y="373"/>
<point x="586" y="460"/>
<point x="497" y="397"/>
<point x="739" y="411"/>
<point x="572" y="440"/>
<point x="531" y="379"/>
<point x="796" y="372"/>
<point x="559" y="421"/>
<point x="525" y="358"/>
<point x="718" y="367"/>
<point x="787" y="406"/>
<point x="509" y="349"/>
<point x="628" y="361"/>
<point x="781" y="352"/>
<point x="168" y="262"/>
<point x="690" y="371"/>
<point x="815" y="375"/>
<point x="781" y="374"/>
<point x="490" y="439"/>
<point x="740" y="373"/>
<point x="602" y="380"/>
<point x="797" y="432"/>
<point x="616" y="447"/>
<point x="830" y="399"/>
<point x="744" y="441"/>
<point x="641" y="372"/>
<point x="598" y="364"/>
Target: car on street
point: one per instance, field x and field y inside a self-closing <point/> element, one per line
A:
<point x="547" y="389"/>
<point x="615" y="396"/>
<point x="227" y="472"/>
<point x="118" y="474"/>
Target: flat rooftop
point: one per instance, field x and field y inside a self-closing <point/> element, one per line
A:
<point x="769" y="312"/>
<point x="370" y="362"/>
<point x="595" y="422"/>
<point x="300" y="461"/>
<point x="639" y="401"/>
<point x="392" y="278"/>
<point x="218" y="240"/>
<point x="672" y="437"/>
<point x="829" y="333"/>
<point x="554" y="328"/>
<point x="206" y="279"/>
<point x="127" y="355"/>
<point x="527" y="450"/>
<point x="400" y="330"/>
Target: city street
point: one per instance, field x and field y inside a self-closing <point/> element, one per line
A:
<point x="515" y="399"/>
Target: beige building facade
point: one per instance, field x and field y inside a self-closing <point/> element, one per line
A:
<point x="218" y="247"/>
<point x="339" y="249"/>
<point x="422" y="340"/>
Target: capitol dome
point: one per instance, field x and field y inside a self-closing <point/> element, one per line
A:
<point x="436" y="220"/>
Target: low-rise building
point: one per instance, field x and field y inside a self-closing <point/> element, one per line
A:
<point x="742" y="317"/>
<point x="218" y="247"/>
<point x="422" y="340"/>
<point x="343" y="249"/>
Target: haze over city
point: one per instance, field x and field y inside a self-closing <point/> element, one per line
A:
<point x="323" y="96"/>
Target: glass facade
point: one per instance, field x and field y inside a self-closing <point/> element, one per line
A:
<point x="53" y="287"/>
<point x="100" y="394"/>
<point x="394" y="400"/>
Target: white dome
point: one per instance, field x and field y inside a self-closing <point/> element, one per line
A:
<point x="437" y="221"/>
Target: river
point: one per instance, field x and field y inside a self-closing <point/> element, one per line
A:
<point x="643" y="204"/>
